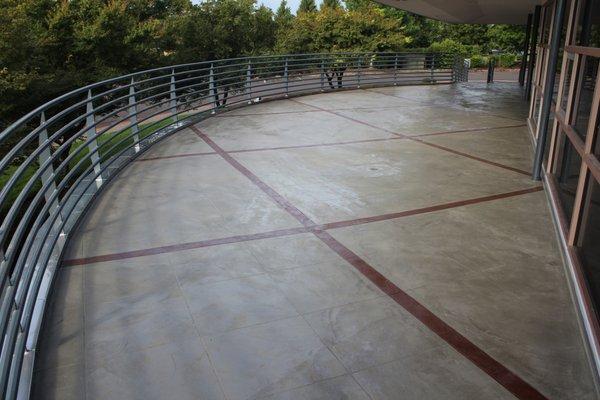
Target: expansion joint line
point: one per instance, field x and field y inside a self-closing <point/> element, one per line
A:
<point x="512" y="382"/>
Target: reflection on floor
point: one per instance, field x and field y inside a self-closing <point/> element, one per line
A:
<point x="372" y="244"/>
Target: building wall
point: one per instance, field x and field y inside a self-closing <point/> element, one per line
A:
<point x="571" y="157"/>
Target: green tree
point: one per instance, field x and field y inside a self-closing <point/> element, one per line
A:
<point x="448" y="46"/>
<point x="355" y="5"/>
<point x="264" y="31"/>
<point x="306" y="6"/>
<point x="331" y="30"/>
<point x="331" y="4"/>
<point x="506" y="38"/>
<point x="283" y="16"/>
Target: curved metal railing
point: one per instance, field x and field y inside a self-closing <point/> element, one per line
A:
<point x="61" y="154"/>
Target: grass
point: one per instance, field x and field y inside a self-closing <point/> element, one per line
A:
<point x="109" y="139"/>
<point x="145" y="130"/>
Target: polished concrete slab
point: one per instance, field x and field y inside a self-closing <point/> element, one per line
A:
<point x="236" y="260"/>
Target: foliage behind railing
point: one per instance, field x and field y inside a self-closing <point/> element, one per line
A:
<point x="58" y="157"/>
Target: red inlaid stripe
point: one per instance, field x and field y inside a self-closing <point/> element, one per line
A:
<point x="229" y="115"/>
<point x="425" y="104"/>
<point x="438" y="207"/>
<point x="472" y="157"/>
<point x="206" y="153"/>
<point x="512" y="382"/>
<point x="491" y="128"/>
<point x="184" y="246"/>
<point x="283" y="203"/>
<point x="290" y="231"/>
<point x="416" y="139"/>
<point x="484" y="361"/>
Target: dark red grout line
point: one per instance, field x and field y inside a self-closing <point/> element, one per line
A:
<point x="184" y="246"/>
<point x="472" y="157"/>
<point x="350" y="118"/>
<point x="206" y="153"/>
<point x="283" y="203"/>
<point x="468" y="349"/>
<point x="501" y="374"/>
<point x="291" y="231"/>
<point x="228" y="115"/>
<point x="438" y="207"/>
<point x="424" y="103"/>
<point x="303" y="146"/>
<point x="512" y="382"/>
<point x="477" y="356"/>
<point x="491" y="128"/>
<point x="416" y="139"/>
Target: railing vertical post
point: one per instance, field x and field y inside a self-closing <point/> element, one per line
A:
<point x="173" y="95"/>
<point x="287" y="78"/>
<point x="358" y="78"/>
<point x="431" y="66"/>
<point x="90" y="123"/>
<point x="525" y="50"/>
<point x="396" y="70"/>
<point x="322" y="75"/>
<point x="212" y="89"/>
<point x="132" y="110"/>
<point x="48" y="174"/>
<point x="249" y="82"/>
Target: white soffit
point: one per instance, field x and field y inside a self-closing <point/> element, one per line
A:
<point x="469" y="11"/>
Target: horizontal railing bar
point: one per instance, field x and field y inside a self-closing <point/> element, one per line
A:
<point x="182" y="93"/>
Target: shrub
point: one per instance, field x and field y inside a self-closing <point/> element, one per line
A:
<point x="448" y="46"/>
<point x="507" y="60"/>
<point x="479" y="61"/>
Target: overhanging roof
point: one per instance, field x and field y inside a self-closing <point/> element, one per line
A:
<point x="469" y="11"/>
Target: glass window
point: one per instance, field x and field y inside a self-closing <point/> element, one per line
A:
<point x="586" y="95"/>
<point x="548" y="11"/>
<point x="596" y="150"/>
<point x="567" y="85"/>
<point x="536" y="110"/>
<point x="567" y="176"/>
<point x="590" y="240"/>
<point x="548" y="133"/>
<point x="588" y="24"/>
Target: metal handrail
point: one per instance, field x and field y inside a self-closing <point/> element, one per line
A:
<point x="64" y="152"/>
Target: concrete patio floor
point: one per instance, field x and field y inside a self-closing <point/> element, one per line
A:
<point x="373" y="244"/>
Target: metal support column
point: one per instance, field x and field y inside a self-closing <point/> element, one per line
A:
<point x="548" y="88"/>
<point x="133" y="116"/>
<point x="90" y="124"/>
<point x="525" y="50"/>
<point x="491" y="68"/>
<point x="533" y="51"/>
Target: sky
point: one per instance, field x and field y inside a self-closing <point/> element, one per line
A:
<point x="273" y="4"/>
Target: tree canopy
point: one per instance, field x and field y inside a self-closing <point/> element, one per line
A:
<point x="307" y="6"/>
<point x="48" y="47"/>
